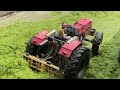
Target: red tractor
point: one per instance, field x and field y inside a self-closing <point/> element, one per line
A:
<point x="66" y="53"/>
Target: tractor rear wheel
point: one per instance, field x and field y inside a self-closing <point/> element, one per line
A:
<point x="78" y="63"/>
<point x="96" y="42"/>
<point x="31" y="48"/>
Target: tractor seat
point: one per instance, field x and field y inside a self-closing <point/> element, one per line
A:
<point x="60" y="38"/>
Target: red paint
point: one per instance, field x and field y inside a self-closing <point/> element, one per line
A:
<point x="67" y="49"/>
<point x="79" y="27"/>
<point x="40" y="37"/>
<point x="82" y="28"/>
<point x="85" y="21"/>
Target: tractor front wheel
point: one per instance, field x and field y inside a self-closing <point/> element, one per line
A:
<point x="31" y="48"/>
<point x="77" y="64"/>
<point x="96" y="42"/>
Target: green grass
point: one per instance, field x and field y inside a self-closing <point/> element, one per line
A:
<point x="14" y="37"/>
<point x="105" y="65"/>
<point x="56" y="13"/>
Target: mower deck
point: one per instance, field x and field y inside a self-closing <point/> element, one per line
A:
<point x="42" y="65"/>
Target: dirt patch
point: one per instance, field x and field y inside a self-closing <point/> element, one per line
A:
<point x="22" y="16"/>
<point x="5" y="13"/>
<point x="25" y="16"/>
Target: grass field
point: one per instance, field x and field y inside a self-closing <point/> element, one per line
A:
<point x="103" y="66"/>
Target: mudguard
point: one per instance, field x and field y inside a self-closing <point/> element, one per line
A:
<point x="67" y="49"/>
<point x="40" y="37"/>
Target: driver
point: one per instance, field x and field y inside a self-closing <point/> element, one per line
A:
<point x="60" y="34"/>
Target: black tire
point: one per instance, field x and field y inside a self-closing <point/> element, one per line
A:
<point x="31" y="48"/>
<point x="96" y="42"/>
<point x="77" y="64"/>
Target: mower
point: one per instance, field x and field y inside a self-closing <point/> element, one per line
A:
<point x="64" y="55"/>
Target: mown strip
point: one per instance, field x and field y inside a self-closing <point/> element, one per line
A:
<point x="105" y="65"/>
